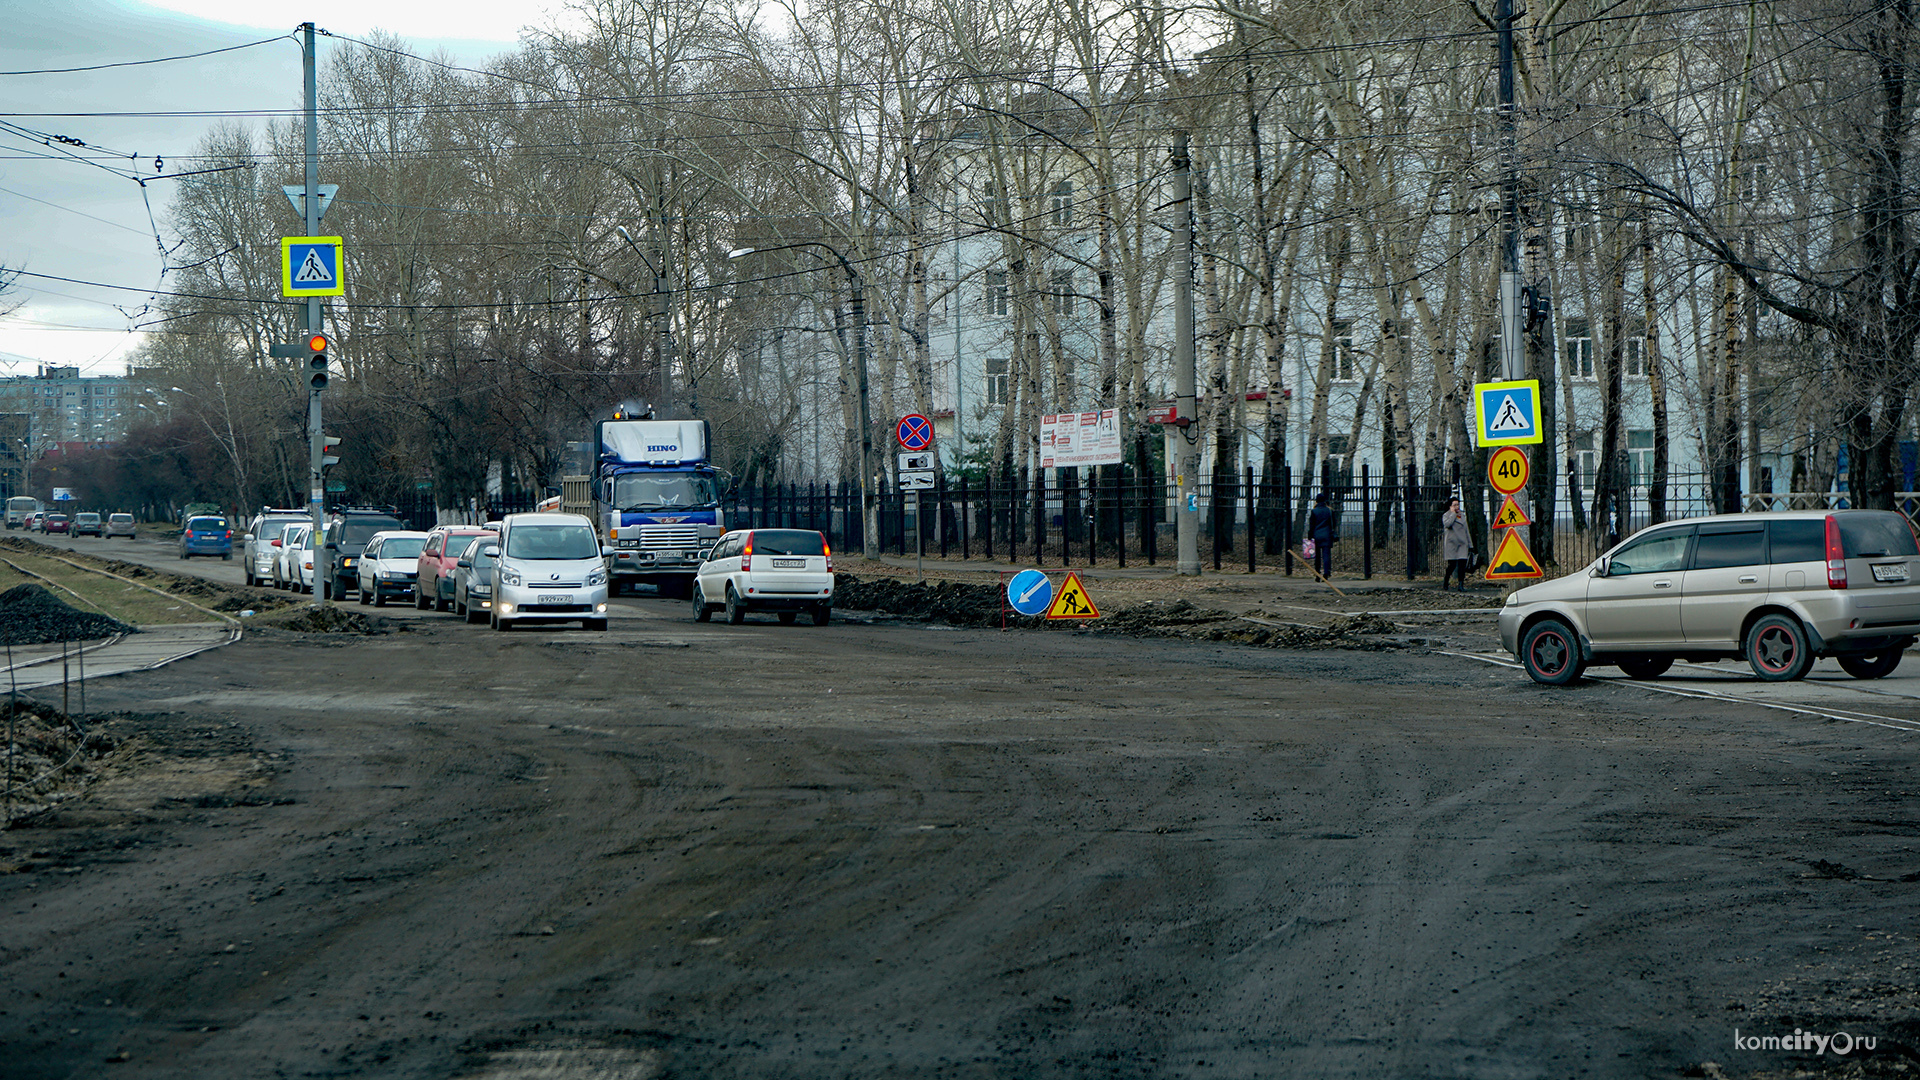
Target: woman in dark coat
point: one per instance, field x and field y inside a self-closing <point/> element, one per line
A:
<point x="1456" y="543"/>
<point x="1320" y="528"/>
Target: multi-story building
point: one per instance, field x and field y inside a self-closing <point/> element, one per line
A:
<point x="57" y="410"/>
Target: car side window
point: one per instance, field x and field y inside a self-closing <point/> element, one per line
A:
<point x="1797" y="541"/>
<point x="1721" y="546"/>
<point x="1659" y="553"/>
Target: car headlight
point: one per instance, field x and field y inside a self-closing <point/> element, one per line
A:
<point x="346" y="562"/>
<point x="597" y="577"/>
<point x="509" y="577"/>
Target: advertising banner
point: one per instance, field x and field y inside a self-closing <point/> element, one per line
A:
<point x="1085" y="438"/>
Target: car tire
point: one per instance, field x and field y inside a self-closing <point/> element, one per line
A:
<point x="1777" y="649"/>
<point x="440" y="602"/>
<point x="736" y="611"/>
<point x="228" y="557"/>
<point x="593" y="624"/>
<point x="459" y="608"/>
<point x="821" y="614"/>
<point x="249" y="572"/>
<point x="1551" y="653"/>
<point x="788" y="618"/>
<point x="419" y="597"/>
<point x="1645" y="667"/>
<point x="1871" y="665"/>
<point x="701" y="612"/>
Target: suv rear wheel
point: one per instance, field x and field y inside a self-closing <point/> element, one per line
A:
<point x="1645" y="667"/>
<point x="736" y="611"/>
<point x="1870" y="665"/>
<point x="1551" y="653"/>
<point x="701" y="612"/>
<point x="1778" y="650"/>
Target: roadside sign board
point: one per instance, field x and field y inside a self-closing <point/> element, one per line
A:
<point x="1507" y="413"/>
<point x="1510" y="515"/>
<point x="916" y="462"/>
<point x="1073" y="601"/>
<point x="1086" y="438"/>
<point x="914" y="431"/>
<point x="1029" y="592"/>
<point x="916" y="481"/>
<point x="1507" y="470"/>
<point x="63" y="495"/>
<point x="297" y="195"/>
<point x="312" y="266"/>
<point x="1513" y="559"/>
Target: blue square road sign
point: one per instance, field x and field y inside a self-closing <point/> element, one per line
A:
<point x="1507" y="413"/>
<point x="311" y="266"/>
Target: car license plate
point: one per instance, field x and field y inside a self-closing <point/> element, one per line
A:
<point x="552" y="598"/>
<point x="789" y="564"/>
<point x="1890" y="572"/>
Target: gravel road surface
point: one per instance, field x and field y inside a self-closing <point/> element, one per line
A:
<point x="888" y="850"/>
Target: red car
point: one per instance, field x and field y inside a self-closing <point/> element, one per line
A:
<point x="433" y="588"/>
<point x="55" y="523"/>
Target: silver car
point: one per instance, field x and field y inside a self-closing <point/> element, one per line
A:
<point x="1776" y="590"/>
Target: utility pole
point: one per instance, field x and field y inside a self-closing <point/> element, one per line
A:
<point x="1186" y="413"/>
<point x="317" y="484"/>
<point x="869" y="502"/>
<point x="1513" y="357"/>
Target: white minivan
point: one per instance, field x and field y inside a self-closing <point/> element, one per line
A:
<point x="785" y="571"/>
<point x="550" y="570"/>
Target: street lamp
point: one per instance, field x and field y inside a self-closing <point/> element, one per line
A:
<point x="663" y="333"/>
<point x="869" y="507"/>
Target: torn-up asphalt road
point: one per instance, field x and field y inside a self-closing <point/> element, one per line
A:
<point x="909" y="851"/>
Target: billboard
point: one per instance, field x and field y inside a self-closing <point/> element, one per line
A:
<point x="1086" y="438"/>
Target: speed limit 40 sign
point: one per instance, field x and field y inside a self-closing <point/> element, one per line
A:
<point x="1507" y="470"/>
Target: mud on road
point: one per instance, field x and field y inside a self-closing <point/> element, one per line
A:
<point x="898" y="850"/>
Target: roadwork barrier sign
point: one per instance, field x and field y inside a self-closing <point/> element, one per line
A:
<point x="1073" y="601"/>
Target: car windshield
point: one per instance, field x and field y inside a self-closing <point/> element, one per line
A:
<point x="273" y="527"/>
<point x="86" y="517"/>
<point x="56" y="518"/>
<point x="662" y="491"/>
<point x="358" y="531"/>
<point x="788" y="542"/>
<point x="207" y="524"/>
<point x="402" y="547"/>
<point x="1872" y="536"/>
<point x="121" y="518"/>
<point x="552" y="542"/>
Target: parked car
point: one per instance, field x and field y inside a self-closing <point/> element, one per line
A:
<point x="550" y="569"/>
<point x="121" y="525"/>
<point x="286" y="562"/>
<point x="260" y="546"/>
<point x="1777" y="590"/>
<point x="56" y="523"/>
<point x="443" y="548"/>
<point x="206" y="535"/>
<point x="87" y="524"/>
<point x="786" y="571"/>
<point x="387" y="566"/>
<point x="473" y="578"/>
<point x="348" y="531"/>
<point x="37" y="523"/>
<point x="301" y="561"/>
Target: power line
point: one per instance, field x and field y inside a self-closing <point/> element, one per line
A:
<point x="155" y="60"/>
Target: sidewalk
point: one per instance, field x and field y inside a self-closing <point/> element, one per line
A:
<point x="39" y="665"/>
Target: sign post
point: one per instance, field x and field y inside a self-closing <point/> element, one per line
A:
<point x="1507" y="472"/>
<point x="915" y="433"/>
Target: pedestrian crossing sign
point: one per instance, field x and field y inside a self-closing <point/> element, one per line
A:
<point x="1507" y="413"/>
<point x="1072" y="602"/>
<point x="311" y="266"/>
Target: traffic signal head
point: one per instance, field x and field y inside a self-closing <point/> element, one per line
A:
<point x="329" y="444"/>
<point x="317" y="361"/>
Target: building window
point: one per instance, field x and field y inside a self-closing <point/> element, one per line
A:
<point x="1579" y="343"/>
<point x="1586" y="461"/>
<point x="991" y="205"/>
<point x="1062" y="292"/>
<point x="997" y="299"/>
<point x="996" y="381"/>
<point x="1343" y="350"/>
<point x="1634" y="348"/>
<point x="1338" y="449"/>
<point x="1640" y="456"/>
<point x="1062" y="203"/>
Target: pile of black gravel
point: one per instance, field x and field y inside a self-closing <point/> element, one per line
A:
<point x="30" y="615"/>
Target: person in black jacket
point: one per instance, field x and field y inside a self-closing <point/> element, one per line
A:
<point x="1320" y="528"/>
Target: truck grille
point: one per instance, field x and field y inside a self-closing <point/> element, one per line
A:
<point x="669" y="537"/>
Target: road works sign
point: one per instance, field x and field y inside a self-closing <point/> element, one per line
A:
<point x="1507" y="470"/>
<point x="1507" y="413"/>
<point x="1073" y="601"/>
<point x="311" y="266"/>
<point x="1510" y="515"/>
<point x="1512" y="559"/>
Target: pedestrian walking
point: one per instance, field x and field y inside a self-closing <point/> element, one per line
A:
<point x="1321" y="530"/>
<point x="1456" y="543"/>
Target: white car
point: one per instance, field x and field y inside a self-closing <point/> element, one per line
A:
<point x="261" y="548"/>
<point x="388" y="566"/>
<point x="785" y="571"/>
<point x="550" y="570"/>
<point x="295" y="568"/>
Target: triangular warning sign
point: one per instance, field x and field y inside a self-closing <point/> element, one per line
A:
<point x="1072" y="601"/>
<point x="1510" y="515"/>
<point x="1508" y="417"/>
<point x="1512" y="559"/>
<point x="313" y="269"/>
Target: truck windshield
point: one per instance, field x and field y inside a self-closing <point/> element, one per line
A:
<point x="552" y="542"/>
<point x="679" y="491"/>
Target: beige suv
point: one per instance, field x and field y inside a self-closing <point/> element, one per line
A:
<point x="1776" y="590"/>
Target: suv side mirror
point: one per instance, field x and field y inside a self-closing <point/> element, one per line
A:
<point x="331" y="546"/>
<point x="491" y="551"/>
<point x="465" y="562"/>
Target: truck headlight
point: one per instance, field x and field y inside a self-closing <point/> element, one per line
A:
<point x="597" y="577"/>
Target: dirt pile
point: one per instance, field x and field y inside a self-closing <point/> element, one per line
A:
<point x="50" y="758"/>
<point x="30" y="615"/>
<point x="952" y="602"/>
<point x="326" y="619"/>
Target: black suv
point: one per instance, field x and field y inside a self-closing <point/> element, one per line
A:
<point x="348" y="531"/>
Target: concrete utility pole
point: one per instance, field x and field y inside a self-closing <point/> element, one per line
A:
<point x="1185" y="442"/>
<point x="1513" y="356"/>
<point x="317" y="484"/>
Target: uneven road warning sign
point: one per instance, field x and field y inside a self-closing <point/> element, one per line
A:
<point x="1510" y="515"/>
<point x="310" y="266"/>
<point x="1073" y="601"/>
<point x="1512" y="559"/>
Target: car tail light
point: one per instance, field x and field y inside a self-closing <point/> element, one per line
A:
<point x="1836" y="559"/>
<point x="827" y="550"/>
<point x="746" y="556"/>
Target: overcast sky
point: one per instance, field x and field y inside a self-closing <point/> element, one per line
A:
<point x="68" y="219"/>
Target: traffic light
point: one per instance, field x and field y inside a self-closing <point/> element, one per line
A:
<point x="317" y="361"/>
<point x="328" y="445"/>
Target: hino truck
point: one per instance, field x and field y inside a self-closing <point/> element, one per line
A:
<point x="655" y="498"/>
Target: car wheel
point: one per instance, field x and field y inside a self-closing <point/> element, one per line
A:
<point x="1871" y="665"/>
<point x="1645" y="667"/>
<point x="1551" y="653"/>
<point x="419" y="597"/>
<point x="593" y="624"/>
<point x="788" y="618"/>
<point x="228" y="557"/>
<point x="459" y="608"/>
<point x="736" y="611"/>
<point x="1777" y="649"/>
<point x="821" y="614"/>
<point x="250" y="577"/>
<point x="440" y="601"/>
<point x="701" y="612"/>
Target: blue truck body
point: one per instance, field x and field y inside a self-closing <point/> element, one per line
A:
<point x="656" y="500"/>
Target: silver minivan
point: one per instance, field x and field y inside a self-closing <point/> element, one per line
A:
<point x="1776" y="590"/>
<point x="550" y="569"/>
<point x="785" y="571"/>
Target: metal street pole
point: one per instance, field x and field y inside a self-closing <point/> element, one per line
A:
<point x="316" y="482"/>
<point x="869" y="503"/>
<point x="1186" y="515"/>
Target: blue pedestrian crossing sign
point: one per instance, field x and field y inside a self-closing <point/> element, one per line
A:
<point x="1507" y="413"/>
<point x="1030" y="593"/>
<point x="312" y="266"/>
